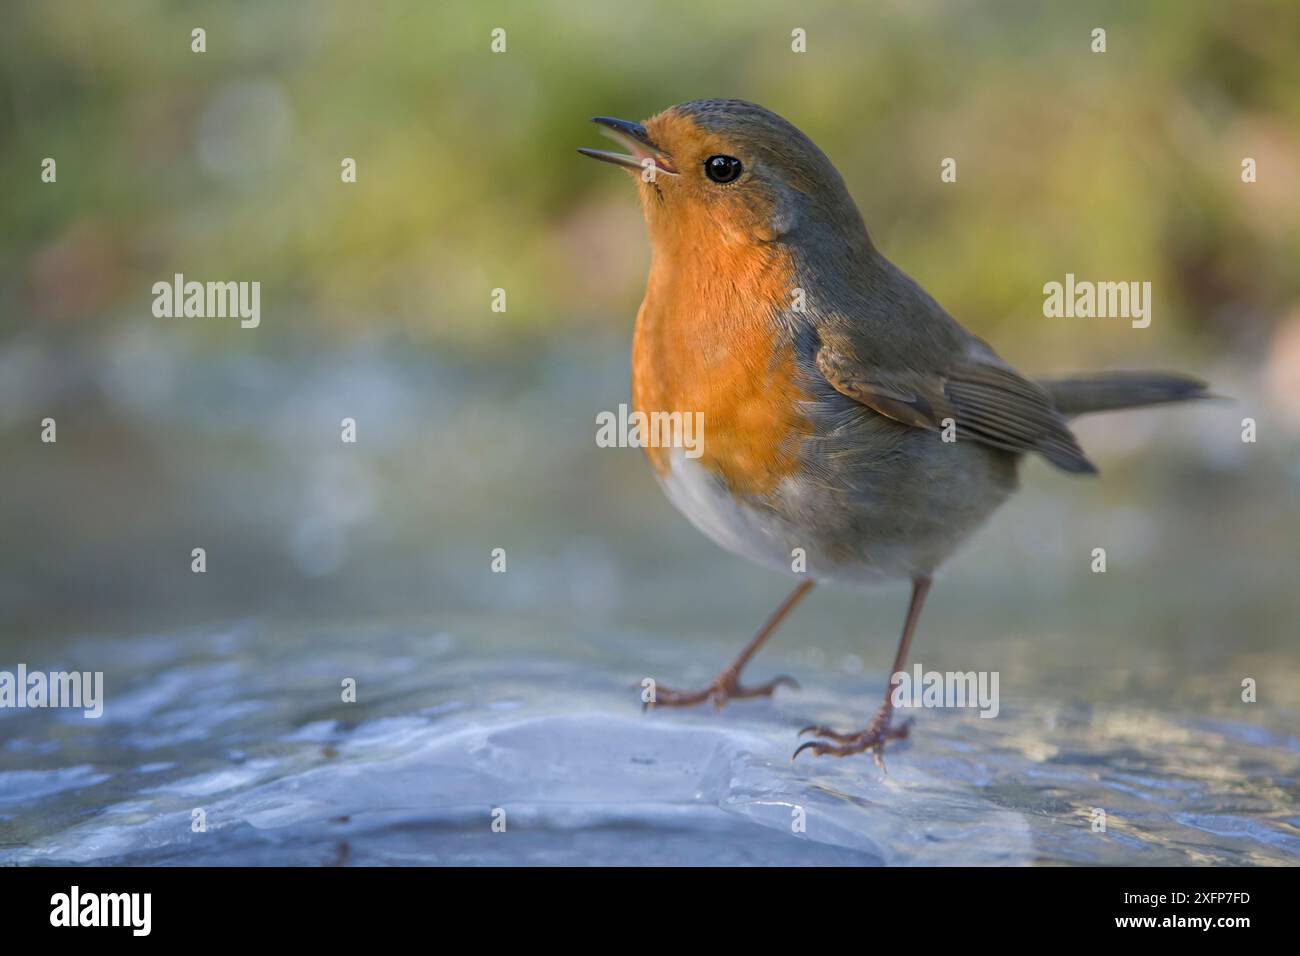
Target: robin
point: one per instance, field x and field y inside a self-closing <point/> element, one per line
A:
<point x="853" y="430"/>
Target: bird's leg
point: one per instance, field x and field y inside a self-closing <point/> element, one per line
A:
<point x="881" y="728"/>
<point x="726" y="686"/>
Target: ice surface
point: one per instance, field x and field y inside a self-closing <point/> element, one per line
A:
<point x="247" y="724"/>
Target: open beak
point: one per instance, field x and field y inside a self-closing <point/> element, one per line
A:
<point x="633" y="138"/>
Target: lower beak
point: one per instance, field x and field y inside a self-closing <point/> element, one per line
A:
<point x="633" y="138"/>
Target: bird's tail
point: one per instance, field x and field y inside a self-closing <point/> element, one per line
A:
<point x="1108" y="391"/>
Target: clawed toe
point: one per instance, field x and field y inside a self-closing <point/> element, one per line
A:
<point x="722" y="689"/>
<point x="763" y="690"/>
<point x="664" y="697"/>
<point x="726" y="686"/>
<point x="817" y="730"/>
<point x="871" y="740"/>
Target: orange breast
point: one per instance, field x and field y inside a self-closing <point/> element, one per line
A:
<point x="706" y="341"/>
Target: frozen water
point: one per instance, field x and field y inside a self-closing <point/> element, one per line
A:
<point x="247" y="724"/>
<point x="1119" y="692"/>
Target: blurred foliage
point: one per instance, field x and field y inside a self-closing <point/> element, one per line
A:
<point x="375" y="300"/>
<point x="225" y="165"/>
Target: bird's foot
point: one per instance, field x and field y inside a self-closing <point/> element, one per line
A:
<point x="872" y="739"/>
<point x="726" y="686"/>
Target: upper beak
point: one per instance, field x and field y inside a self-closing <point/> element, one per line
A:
<point x="631" y="136"/>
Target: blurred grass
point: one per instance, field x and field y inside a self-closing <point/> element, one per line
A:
<point x="225" y="164"/>
<point x="476" y="425"/>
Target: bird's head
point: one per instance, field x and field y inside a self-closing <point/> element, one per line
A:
<point x="728" y="172"/>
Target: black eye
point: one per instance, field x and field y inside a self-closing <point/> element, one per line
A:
<point x="723" y="169"/>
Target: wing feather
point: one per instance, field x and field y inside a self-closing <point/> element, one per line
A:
<point x="989" y="403"/>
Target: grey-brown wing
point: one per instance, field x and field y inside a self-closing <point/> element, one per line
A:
<point x="988" y="403"/>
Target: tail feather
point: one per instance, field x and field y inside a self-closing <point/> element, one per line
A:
<point x="1107" y="391"/>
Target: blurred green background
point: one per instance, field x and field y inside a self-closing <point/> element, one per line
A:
<point x="476" y="428"/>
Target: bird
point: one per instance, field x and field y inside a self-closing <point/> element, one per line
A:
<point x="853" y="431"/>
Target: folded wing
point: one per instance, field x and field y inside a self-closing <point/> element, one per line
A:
<point x="989" y="403"/>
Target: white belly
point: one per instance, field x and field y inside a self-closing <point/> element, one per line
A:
<point x="766" y="538"/>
